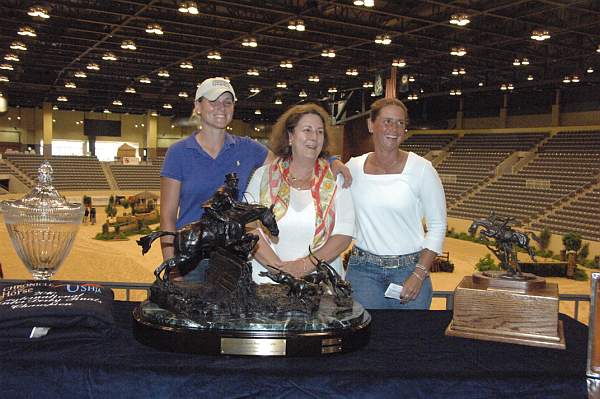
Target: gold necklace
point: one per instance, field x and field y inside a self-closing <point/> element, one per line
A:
<point x="301" y="183"/>
<point x="387" y="168"/>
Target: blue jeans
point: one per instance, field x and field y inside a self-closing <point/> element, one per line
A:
<point x="369" y="282"/>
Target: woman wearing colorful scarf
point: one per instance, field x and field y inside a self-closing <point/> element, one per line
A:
<point x="313" y="210"/>
<point x="394" y="191"/>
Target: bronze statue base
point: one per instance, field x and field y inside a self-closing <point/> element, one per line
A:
<point x="519" y="312"/>
<point x="327" y="331"/>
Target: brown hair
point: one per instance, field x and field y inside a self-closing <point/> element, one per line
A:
<point x="378" y="105"/>
<point x="280" y="135"/>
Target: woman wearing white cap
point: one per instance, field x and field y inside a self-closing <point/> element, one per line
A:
<point x="194" y="168"/>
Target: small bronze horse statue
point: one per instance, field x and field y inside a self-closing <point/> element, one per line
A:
<point x="506" y="241"/>
<point x="223" y="225"/>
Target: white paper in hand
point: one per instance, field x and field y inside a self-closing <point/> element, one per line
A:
<point x="393" y="291"/>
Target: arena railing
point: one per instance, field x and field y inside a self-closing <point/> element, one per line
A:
<point x="141" y="291"/>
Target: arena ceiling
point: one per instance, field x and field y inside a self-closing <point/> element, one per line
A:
<point x="82" y="32"/>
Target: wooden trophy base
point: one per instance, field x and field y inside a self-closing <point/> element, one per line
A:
<point x="493" y="308"/>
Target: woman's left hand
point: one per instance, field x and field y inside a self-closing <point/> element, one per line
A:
<point x="411" y="289"/>
<point x="338" y="167"/>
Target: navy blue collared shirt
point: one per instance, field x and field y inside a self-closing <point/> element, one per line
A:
<point x="201" y="175"/>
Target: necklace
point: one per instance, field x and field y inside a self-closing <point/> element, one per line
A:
<point x="301" y="183"/>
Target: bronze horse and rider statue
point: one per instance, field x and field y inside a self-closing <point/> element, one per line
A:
<point x="223" y="225"/>
<point x="505" y="244"/>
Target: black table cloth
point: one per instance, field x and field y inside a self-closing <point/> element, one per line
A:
<point x="408" y="357"/>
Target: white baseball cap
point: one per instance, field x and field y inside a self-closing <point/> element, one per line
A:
<point x="212" y="88"/>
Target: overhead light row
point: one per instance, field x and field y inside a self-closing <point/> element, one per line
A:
<point x="128" y="45"/>
<point x="249" y="42"/>
<point x="17" y="45"/>
<point x="26" y="31"/>
<point x="540" y="34"/>
<point x="458" y="71"/>
<point x="458" y="51"/>
<point x="459" y="19"/>
<point x="383" y="39"/>
<point x="154" y="28"/>
<point x="352" y="72"/>
<point x="571" y="79"/>
<point x="398" y="62"/>
<point x="313" y="78"/>
<point x="507" y="86"/>
<point x="455" y="92"/>
<point x="38" y="12"/>
<point x="520" y="61"/>
<point x="213" y="55"/>
<point x="328" y="52"/>
<point x="412" y="96"/>
<point x="11" y="57"/>
<point x="366" y="3"/>
<point x="296" y="24"/>
<point x="286" y="64"/>
<point x="252" y="72"/>
<point x="188" y="7"/>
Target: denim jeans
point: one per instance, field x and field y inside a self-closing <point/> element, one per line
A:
<point x="369" y="282"/>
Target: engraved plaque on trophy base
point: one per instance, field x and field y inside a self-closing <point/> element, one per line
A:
<point x="325" y="332"/>
<point x="495" y="309"/>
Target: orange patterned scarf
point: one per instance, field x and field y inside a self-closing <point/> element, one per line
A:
<point x="275" y="189"/>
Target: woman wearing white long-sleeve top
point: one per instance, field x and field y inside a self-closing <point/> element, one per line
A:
<point x="394" y="192"/>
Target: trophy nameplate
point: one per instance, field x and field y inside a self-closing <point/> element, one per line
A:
<point x="253" y="347"/>
<point x="496" y="309"/>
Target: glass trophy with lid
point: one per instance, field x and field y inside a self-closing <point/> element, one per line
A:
<point x="42" y="226"/>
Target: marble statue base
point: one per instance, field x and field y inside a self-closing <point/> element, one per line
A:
<point x="325" y="332"/>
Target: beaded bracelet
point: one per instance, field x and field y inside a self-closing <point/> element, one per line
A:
<point x="420" y="266"/>
<point x="417" y="276"/>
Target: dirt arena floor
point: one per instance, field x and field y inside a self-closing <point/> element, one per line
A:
<point x="122" y="261"/>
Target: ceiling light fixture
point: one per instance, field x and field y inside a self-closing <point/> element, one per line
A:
<point x="529" y="77"/>
<point x="186" y="65"/>
<point x="70" y="85"/>
<point x="278" y="101"/>
<point x="332" y="90"/>
<point x="249" y="42"/>
<point x="459" y="19"/>
<point x="252" y="72"/>
<point x="62" y="99"/>
<point x="154" y="29"/>
<point x="17" y="45"/>
<point x="11" y="57"/>
<point x="458" y="51"/>
<point x="352" y="72"/>
<point x="145" y="79"/>
<point x="480" y="84"/>
<point x="373" y="94"/>
<point x="108" y="56"/>
<point x="213" y="55"/>
<point x="398" y="62"/>
<point x="39" y="12"/>
<point x="7" y="67"/>
<point x="540" y="35"/>
<point x="286" y="64"/>
<point x="454" y="71"/>
<point x="106" y="111"/>
<point x="92" y="66"/>
<point x="411" y="78"/>
<point x="167" y="106"/>
<point x="281" y="85"/>
<point x="128" y="45"/>
<point x="297" y="25"/>
<point x="302" y="94"/>
<point x="590" y="69"/>
<point x="117" y="102"/>
<point x="258" y="112"/>
<point x="163" y="73"/>
<point x="383" y="39"/>
<point x="26" y="31"/>
<point x="313" y="78"/>
<point x="598" y="49"/>
<point x="328" y="52"/>
<point x="254" y="90"/>
<point x="183" y="94"/>
<point x="130" y="89"/>
<point x="80" y="74"/>
<point x="367" y="84"/>
<point x="188" y="7"/>
<point x="366" y="3"/>
<point x="4" y="78"/>
<point x="575" y="79"/>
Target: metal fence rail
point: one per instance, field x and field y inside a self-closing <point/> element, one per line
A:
<point x="130" y="288"/>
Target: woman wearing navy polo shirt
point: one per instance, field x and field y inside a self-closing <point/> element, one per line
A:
<point x="194" y="168"/>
